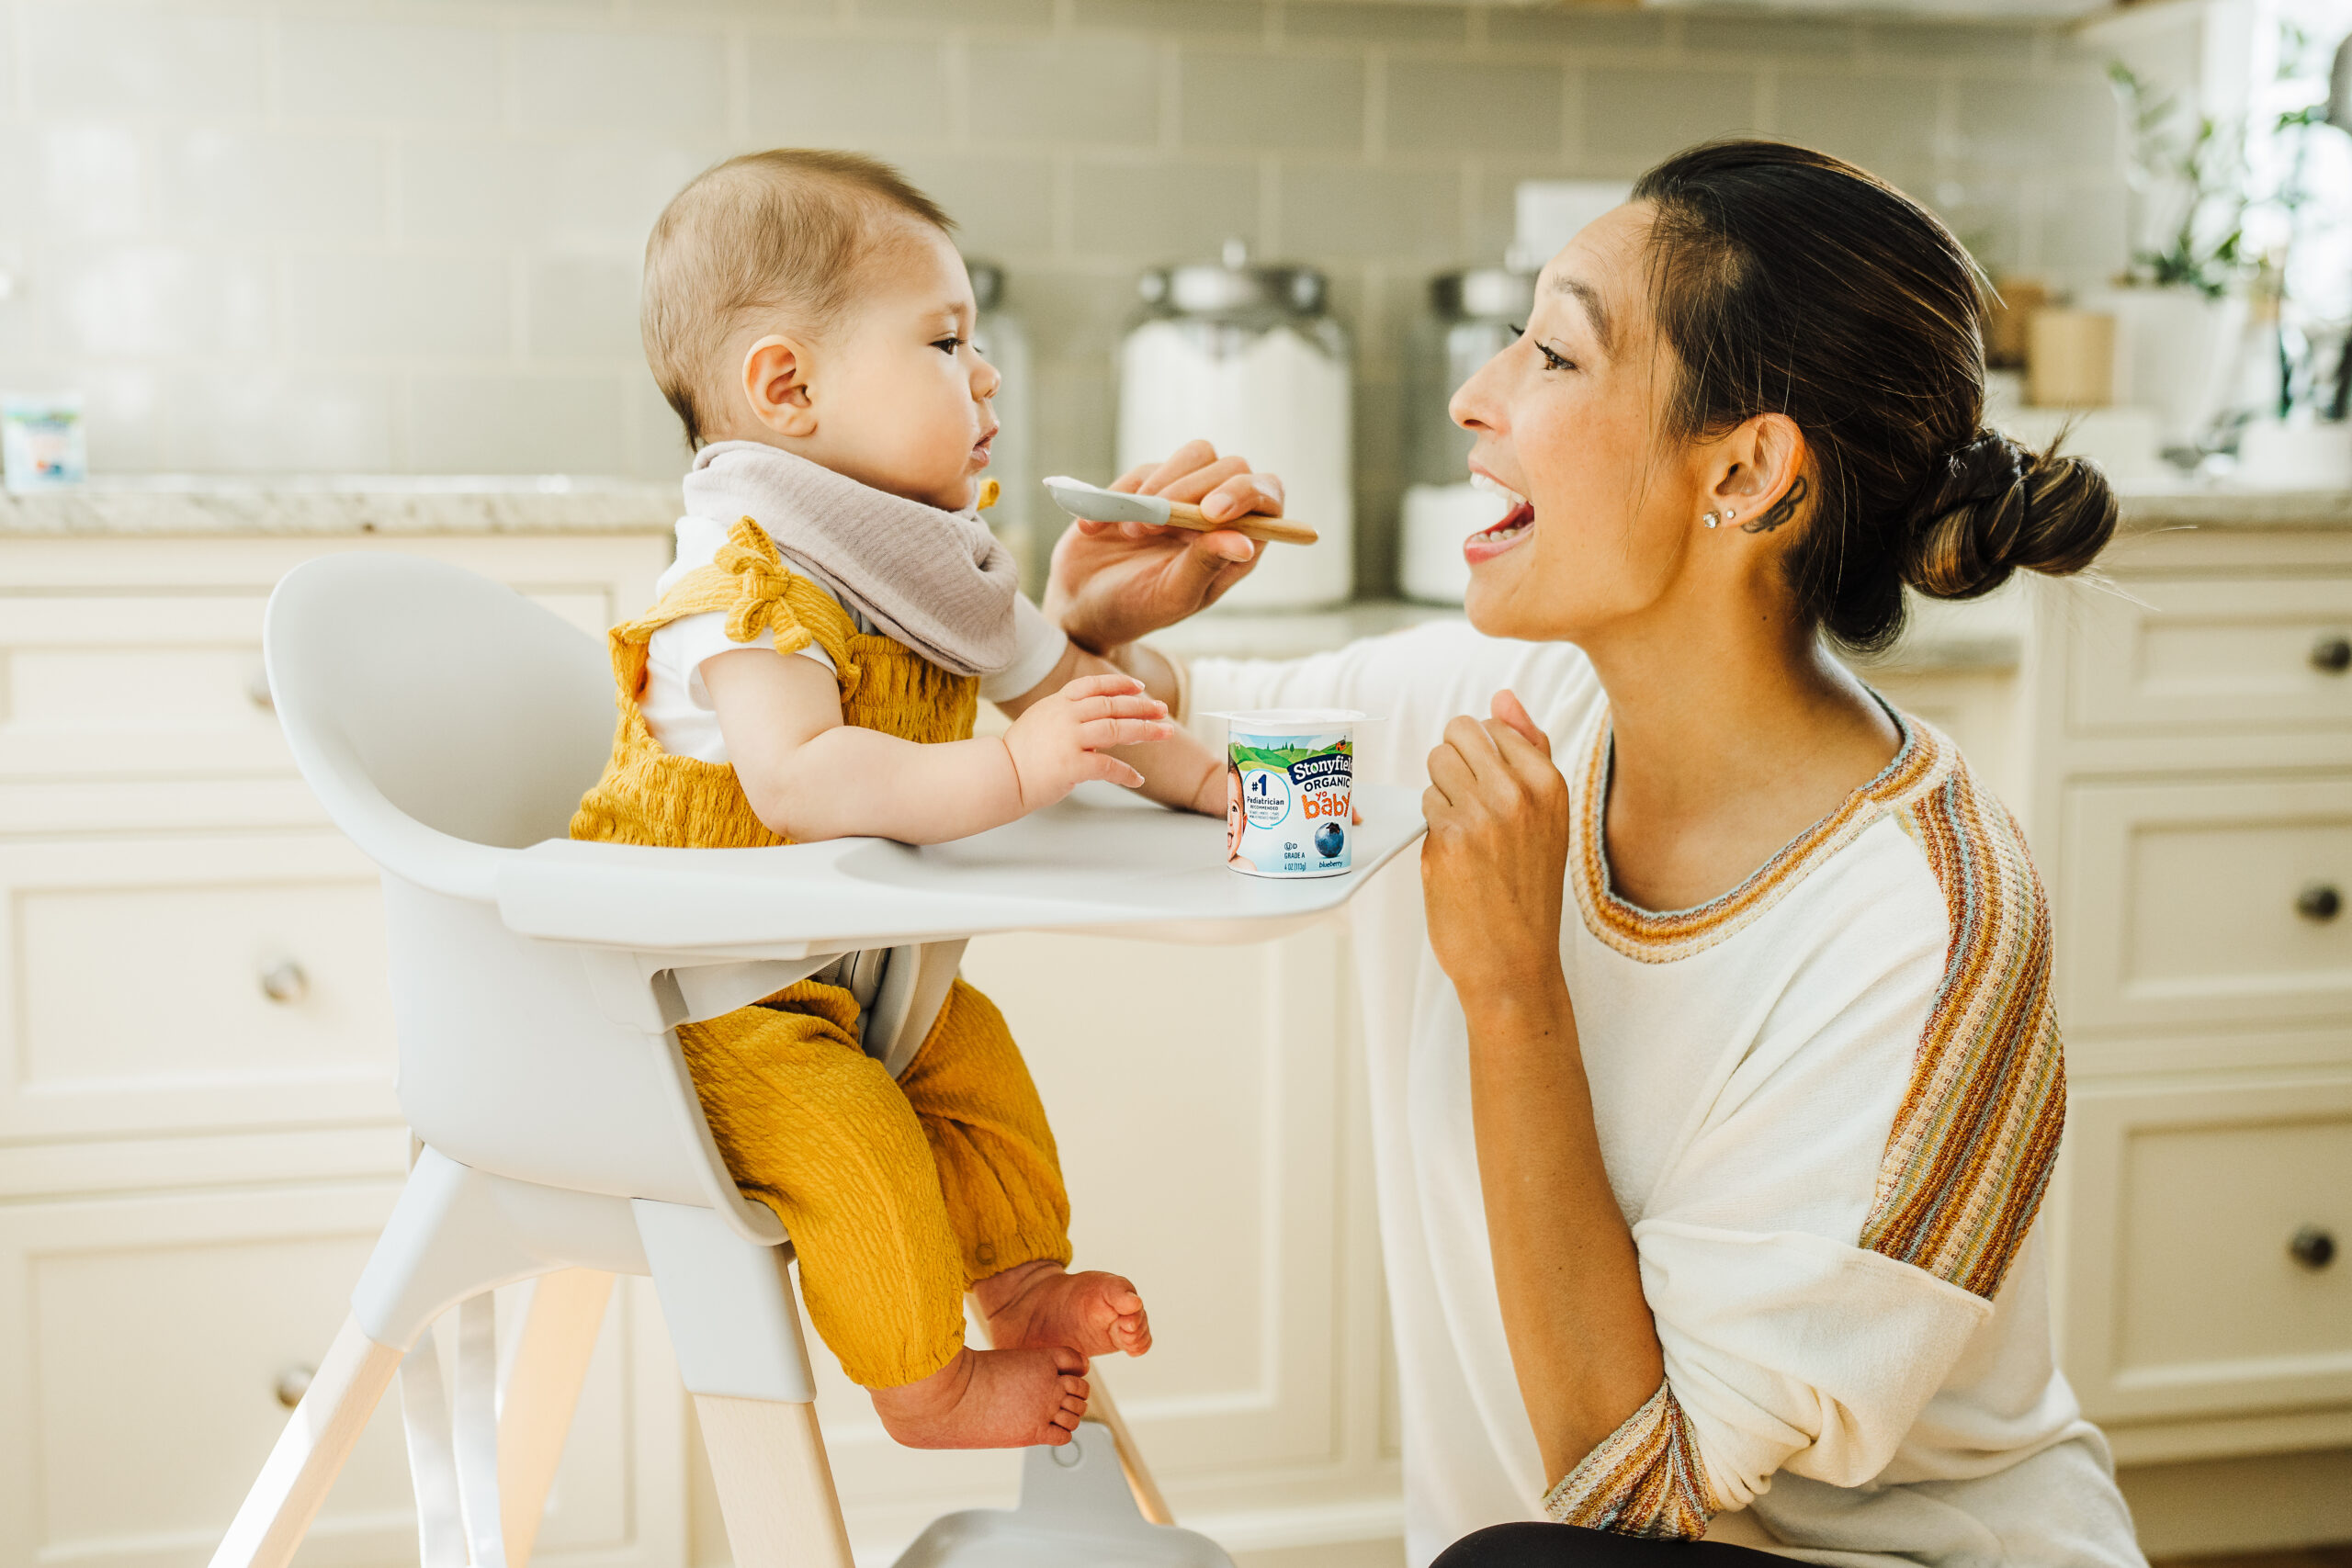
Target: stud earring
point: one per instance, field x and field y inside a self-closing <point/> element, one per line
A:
<point x="1710" y="520"/>
<point x="1729" y="514"/>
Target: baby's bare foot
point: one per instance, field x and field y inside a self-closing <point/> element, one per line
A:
<point x="988" y="1399"/>
<point x="1041" y="1304"/>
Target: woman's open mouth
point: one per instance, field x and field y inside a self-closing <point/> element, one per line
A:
<point x="1516" y="525"/>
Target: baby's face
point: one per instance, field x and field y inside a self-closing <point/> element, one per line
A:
<point x="901" y="395"/>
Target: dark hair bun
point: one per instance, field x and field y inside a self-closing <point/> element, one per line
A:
<point x="1995" y="506"/>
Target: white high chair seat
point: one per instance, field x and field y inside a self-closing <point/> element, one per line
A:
<point x="450" y="725"/>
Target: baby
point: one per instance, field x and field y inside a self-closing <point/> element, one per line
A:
<point x="811" y="669"/>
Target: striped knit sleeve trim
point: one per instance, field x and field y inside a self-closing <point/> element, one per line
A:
<point x="1645" y="1479"/>
<point x="1972" y="1147"/>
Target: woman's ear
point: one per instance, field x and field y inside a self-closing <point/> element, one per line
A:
<point x="1762" y="483"/>
<point x="777" y="384"/>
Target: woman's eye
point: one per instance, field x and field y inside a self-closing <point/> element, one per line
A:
<point x="1552" y="361"/>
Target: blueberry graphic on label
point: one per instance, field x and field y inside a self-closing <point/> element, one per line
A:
<point x="1327" y="840"/>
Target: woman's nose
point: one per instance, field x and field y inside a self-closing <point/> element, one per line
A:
<point x="1473" y="405"/>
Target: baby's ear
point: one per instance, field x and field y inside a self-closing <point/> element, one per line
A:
<point x="776" y="384"/>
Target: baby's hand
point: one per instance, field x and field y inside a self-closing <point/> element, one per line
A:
<point x="1059" y="742"/>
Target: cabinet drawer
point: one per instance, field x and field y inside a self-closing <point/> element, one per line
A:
<point x="153" y="686"/>
<point x="2192" y="904"/>
<point x="2216" y="654"/>
<point x="2189" y="1292"/>
<point x="137" y="979"/>
<point x="143" y="1342"/>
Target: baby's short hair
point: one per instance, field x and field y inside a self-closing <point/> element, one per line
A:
<point x="781" y="231"/>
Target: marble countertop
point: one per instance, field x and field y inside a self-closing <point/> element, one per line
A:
<point x="2149" y="506"/>
<point x="271" y="505"/>
<point x="461" y="504"/>
<point x="1984" y="635"/>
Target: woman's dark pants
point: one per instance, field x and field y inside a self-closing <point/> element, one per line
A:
<point x="1533" y="1545"/>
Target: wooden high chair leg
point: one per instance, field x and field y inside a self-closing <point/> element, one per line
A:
<point x="311" y="1452"/>
<point x="543" y="1385"/>
<point x="775" y="1485"/>
<point x="1149" y="1500"/>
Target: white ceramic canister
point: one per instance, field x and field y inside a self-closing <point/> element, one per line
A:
<point x="1249" y="359"/>
<point x="1290" y="791"/>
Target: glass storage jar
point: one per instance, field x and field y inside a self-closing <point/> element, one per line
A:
<point x="1249" y="358"/>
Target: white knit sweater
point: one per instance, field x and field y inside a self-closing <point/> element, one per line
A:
<point x="1828" y="1102"/>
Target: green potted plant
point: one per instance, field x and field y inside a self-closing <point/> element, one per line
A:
<point x="2180" y="307"/>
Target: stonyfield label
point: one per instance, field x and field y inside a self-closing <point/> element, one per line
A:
<point x="1288" y="801"/>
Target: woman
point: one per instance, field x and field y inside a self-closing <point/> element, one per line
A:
<point x="1716" y="1082"/>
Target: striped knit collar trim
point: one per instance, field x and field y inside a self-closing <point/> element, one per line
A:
<point x="1921" y="762"/>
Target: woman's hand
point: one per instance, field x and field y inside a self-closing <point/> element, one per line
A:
<point x="1495" y="863"/>
<point x="1114" y="582"/>
<point x="1567" y="1275"/>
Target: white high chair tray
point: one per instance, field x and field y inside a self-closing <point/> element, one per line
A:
<point x="1104" y="862"/>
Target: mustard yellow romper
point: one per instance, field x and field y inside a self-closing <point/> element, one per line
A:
<point x="898" y="1195"/>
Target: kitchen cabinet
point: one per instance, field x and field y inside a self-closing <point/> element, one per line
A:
<point x="198" y="1138"/>
<point x="2189" y="736"/>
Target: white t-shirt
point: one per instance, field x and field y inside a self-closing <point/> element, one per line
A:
<point x="1827" y="1102"/>
<point x="677" y="706"/>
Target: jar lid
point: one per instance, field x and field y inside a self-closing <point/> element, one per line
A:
<point x="1209" y="289"/>
<point x="988" y="283"/>
<point x="1483" y="292"/>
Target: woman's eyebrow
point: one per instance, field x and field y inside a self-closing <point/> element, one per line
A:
<point x="1597" y="312"/>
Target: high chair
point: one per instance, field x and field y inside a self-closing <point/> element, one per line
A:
<point x="449" y="726"/>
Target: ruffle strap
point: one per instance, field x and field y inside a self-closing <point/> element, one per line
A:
<point x="769" y="598"/>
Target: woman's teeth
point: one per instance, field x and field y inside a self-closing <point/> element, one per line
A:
<point x="1494" y="539"/>
<point x="1497" y="487"/>
<point x="1491" y="541"/>
<point x="1519" y="520"/>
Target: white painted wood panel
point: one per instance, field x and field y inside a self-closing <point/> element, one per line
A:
<point x="141" y="1341"/>
<point x="2211" y="656"/>
<point x="157" y="684"/>
<point x="2183" y="1297"/>
<point x="2182" y="902"/>
<point x="131" y="985"/>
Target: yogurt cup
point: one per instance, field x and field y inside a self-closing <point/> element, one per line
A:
<point x="1290" y="791"/>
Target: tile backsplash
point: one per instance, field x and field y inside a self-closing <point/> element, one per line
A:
<point x="403" y="235"/>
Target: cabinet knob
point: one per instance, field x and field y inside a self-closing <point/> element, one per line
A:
<point x="2319" y="903"/>
<point x="283" y="981"/>
<point x="2314" y="1247"/>
<point x="2332" y="654"/>
<point x="292" y="1384"/>
<point x="257" y="687"/>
